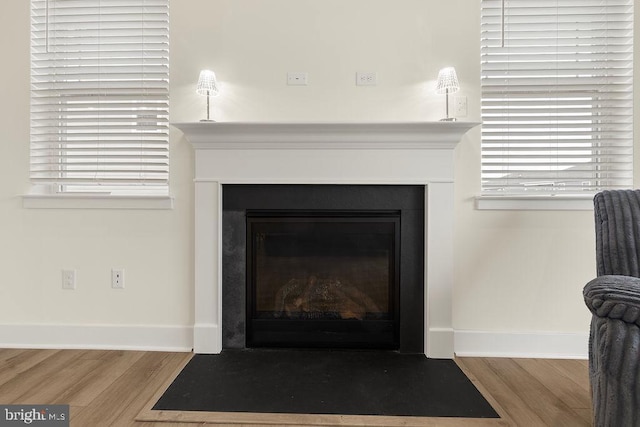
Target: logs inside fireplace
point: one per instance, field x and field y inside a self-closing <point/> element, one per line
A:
<point x="323" y="278"/>
<point x="329" y="266"/>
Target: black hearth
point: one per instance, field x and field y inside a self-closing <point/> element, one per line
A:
<point x="335" y="266"/>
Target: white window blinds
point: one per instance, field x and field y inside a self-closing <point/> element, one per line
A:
<point x="556" y="96"/>
<point x="100" y="95"/>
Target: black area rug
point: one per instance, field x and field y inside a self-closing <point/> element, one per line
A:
<point x="325" y="382"/>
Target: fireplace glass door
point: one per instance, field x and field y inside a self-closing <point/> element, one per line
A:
<point x="323" y="279"/>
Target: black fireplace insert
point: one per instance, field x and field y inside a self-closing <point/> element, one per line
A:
<point x="333" y="266"/>
<point x="323" y="278"/>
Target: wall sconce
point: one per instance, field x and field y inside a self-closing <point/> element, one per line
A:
<point x="447" y="83"/>
<point x="207" y="86"/>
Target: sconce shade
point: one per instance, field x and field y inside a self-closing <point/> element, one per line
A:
<point x="207" y="84"/>
<point x="447" y="81"/>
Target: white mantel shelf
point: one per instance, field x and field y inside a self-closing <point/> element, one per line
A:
<point x="320" y="135"/>
<point x="410" y="153"/>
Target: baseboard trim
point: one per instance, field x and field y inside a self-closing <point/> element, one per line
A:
<point x="98" y="337"/>
<point x="207" y="338"/>
<point x="439" y="343"/>
<point x="542" y="345"/>
<point x="538" y="345"/>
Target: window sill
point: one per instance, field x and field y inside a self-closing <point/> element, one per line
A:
<point x="535" y="203"/>
<point x="90" y="201"/>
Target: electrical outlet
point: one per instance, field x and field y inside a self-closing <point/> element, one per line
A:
<point x="297" y="79"/>
<point x="460" y="106"/>
<point x="117" y="279"/>
<point x="366" y="79"/>
<point x="68" y="279"/>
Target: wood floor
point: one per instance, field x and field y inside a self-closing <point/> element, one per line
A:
<point x="114" y="388"/>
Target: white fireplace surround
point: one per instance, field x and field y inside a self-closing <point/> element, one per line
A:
<point x="414" y="153"/>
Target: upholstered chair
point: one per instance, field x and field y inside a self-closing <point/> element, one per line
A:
<point x="614" y="300"/>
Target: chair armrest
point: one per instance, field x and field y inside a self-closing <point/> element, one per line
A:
<point x="614" y="297"/>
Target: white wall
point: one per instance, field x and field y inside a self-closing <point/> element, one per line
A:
<point x="516" y="272"/>
<point x="153" y="247"/>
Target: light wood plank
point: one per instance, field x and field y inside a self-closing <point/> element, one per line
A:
<point x="115" y="387"/>
<point x="86" y="390"/>
<point x="233" y="418"/>
<point x="568" y="391"/>
<point x="27" y="382"/>
<point x="511" y="405"/>
<point x="145" y="377"/>
<point x="58" y="382"/>
<point x="538" y="397"/>
<point x="18" y="361"/>
<point x="480" y="386"/>
<point x="10" y="353"/>
<point x="576" y="370"/>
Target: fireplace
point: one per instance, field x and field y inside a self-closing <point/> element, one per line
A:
<point x="412" y="153"/>
<point x="323" y="279"/>
<point x="321" y="266"/>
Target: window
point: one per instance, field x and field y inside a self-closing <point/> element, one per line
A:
<point x="100" y="96"/>
<point x="556" y="96"/>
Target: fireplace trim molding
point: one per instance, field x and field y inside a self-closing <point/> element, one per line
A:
<point x="339" y="136"/>
<point x="325" y="153"/>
